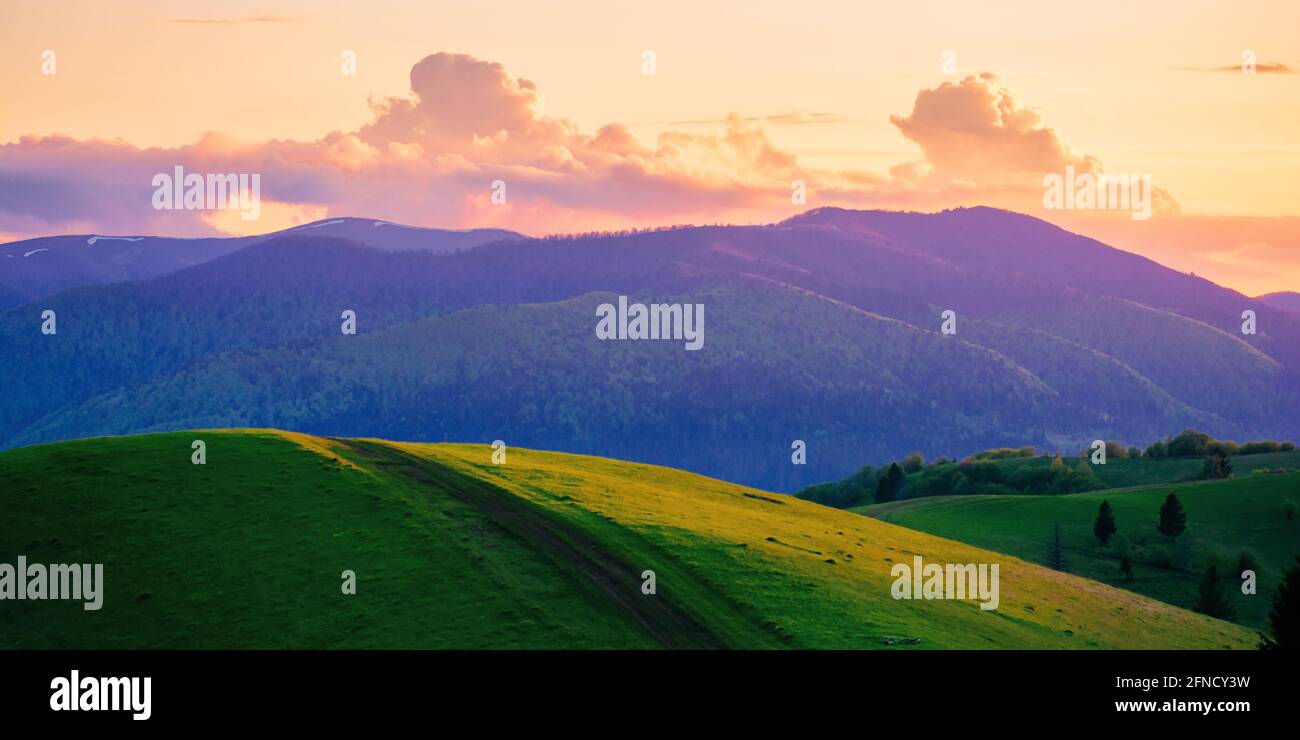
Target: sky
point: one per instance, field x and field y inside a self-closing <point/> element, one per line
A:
<point x="610" y="115"/>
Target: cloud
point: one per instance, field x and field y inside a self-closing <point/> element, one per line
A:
<point x="431" y="157"/>
<point x="980" y="142"/>
<point x="1262" y="68"/>
<point x="976" y="128"/>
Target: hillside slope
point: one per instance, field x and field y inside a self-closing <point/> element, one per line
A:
<point x="537" y="373"/>
<point x="449" y="550"/>
<point x="1224" y="518"/>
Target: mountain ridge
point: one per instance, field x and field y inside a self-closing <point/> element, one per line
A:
<point x="32" y="269"/>
<point x="1110" y="363"/>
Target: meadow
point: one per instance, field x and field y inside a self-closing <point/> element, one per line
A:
<point x="548" y="550"/>
<point x="1225" y="518"/>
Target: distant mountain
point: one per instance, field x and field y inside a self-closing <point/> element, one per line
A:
<point x="823" y="328"/>
<point x="35" y="268"/>
<point x="1288" y="300"/>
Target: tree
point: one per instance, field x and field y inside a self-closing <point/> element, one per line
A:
<point x="1217" y="465"/>
<point x="1212" y="600"/>
<point x="1284" y="619"/>
<point x="913" y="462"/>
<point x="890" y="485"/>
<point x="1057" y="464"/>
<point x="1172" y="518"/>
<point x="1056" y="559"/>
<point x="1126" y="566"/>
<point x="1190" y="443"/>
<point x="1104" y="527"/>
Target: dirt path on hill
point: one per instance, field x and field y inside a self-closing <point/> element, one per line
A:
<point x="620" y="582"/>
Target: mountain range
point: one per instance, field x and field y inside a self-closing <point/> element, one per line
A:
<point x="825" y="328"/>
<point x="35" y="268"/>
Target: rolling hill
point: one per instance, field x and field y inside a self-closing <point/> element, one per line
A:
<point x="1224" y="519"/>
<point x="450" y="551"/>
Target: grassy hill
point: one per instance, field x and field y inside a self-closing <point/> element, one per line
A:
<point x="450" y="551"/>
<point x="1224" y="518"/>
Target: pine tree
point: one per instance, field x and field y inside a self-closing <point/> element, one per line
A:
<point x="1172" y="518"/>
<point x="1104" y="527"/>
<point x="1212" y="600"/>
<point x="890" y="485"/>
<point x="1126" y="566"/>
<point x="1056" y="559"/>
<point x="1284" y="619"/>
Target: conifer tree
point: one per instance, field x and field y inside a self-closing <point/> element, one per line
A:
<point x="890" y="485"/>
<point x="1104" y="527"/>
<point x="1172" y="518"/>
<point x="1212" y="600"/>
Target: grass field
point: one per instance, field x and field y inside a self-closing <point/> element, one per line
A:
<point x="450" y="551"/>
<point x="1224" y="518"/>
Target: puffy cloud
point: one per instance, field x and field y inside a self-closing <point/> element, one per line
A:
<point x="430" y="158"/>
<point x="982" y="145"/>
<point x="976" y="128"/>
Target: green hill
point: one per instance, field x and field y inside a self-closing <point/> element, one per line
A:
<point x="451" y="551"/>
<point x="1224" y="519"/>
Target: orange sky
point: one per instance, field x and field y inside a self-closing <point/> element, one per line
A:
<point x="551" y="98"/>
